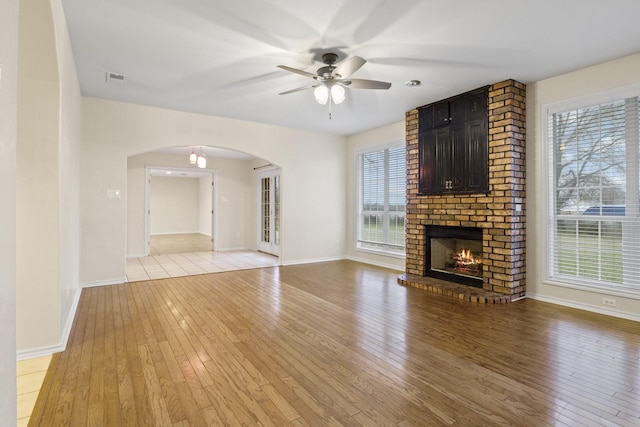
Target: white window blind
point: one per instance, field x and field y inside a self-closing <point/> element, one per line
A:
<point x="594" y="218"/>
<point x="380" y="222"/>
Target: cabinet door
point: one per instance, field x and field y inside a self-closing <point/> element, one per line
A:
<point x="441" y="138"/>
<point x="457" y="170"/>
<point x="435" y="160"/>
<point x="476" y="156"/>
<point x="426" y="165"/>
<point x="434" y="115"/>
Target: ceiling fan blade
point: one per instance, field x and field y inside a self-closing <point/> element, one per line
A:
<point x="301" y="72"/>
<point x="350" y="66"/>
<point x="298" y="89"/>
<point x="366" y="84"/>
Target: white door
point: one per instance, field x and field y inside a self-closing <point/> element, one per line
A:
<point x="269" y="212"/>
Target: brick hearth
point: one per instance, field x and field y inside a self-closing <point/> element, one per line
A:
<point x="500" y="213"/>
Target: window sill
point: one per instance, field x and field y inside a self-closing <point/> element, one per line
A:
<point x="623" y="293"/>
<point x="380" y="252"/>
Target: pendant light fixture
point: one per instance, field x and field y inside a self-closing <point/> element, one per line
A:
<point x="201" y="161"/>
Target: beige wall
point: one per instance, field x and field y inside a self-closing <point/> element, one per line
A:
<point x="37" y="163"/>
<point x="377" y="137"/>
<point x="174" y="205"/>
<point x="313" y="178"/>
<point x="70" y="118"/>
<point x="8" y="95"/>
<point x="607" y="76"/>
<point x="47" y="180"/>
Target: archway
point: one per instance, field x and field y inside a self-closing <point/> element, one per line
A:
<point x="234" y="200"/>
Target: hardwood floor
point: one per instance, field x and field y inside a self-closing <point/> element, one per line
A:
<point x="164" y="244"/>
<point x="337" y="343"/>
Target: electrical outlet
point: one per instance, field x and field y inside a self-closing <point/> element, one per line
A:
<point x="609" y="301"/>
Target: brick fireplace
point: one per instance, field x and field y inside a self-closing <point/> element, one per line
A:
<point x="500" y="214"/>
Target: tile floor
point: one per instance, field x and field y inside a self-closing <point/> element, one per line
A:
<point x="30" y="375"/>
<point x="187" y="264"/>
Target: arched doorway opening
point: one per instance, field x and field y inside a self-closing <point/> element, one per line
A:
<point x="225" y="189"/>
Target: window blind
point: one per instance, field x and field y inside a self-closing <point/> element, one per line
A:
<point x="594" y="175"/>
<point x="380" y="222"/>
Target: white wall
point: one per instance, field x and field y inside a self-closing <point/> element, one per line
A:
<point x="38" y="210"/>
<point x="175" y="205"/>
<point x="206" y="198"/>
<point x="313" y="192"/>
<point x="607" y="76"/>
<point x="8" y="96"/>
<point x="394" y="132"/>
<point x="70" y="117"/>
<point x="47" y="180"/>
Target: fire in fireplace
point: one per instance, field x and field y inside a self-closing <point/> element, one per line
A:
<point x="464" y="262"/>
<point x="455" y="254"/>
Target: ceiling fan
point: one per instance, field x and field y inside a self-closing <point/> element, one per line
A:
<point x="331" y="80"/>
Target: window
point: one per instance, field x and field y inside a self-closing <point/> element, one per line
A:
<point x="381" y="178"/>
<point x="594" y="192"/>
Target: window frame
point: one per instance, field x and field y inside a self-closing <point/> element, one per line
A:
<point x="548" y="188"/>
<point x="357" y="244"/>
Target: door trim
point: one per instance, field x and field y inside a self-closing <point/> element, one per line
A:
<point x="147" y="204"/>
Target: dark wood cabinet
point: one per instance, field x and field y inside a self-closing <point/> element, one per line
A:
<point x="453" y="145"/>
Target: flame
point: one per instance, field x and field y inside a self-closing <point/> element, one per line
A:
<point x="465" y="257"/>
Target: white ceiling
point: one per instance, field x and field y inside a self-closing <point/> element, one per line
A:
<point x="219" y="57"/>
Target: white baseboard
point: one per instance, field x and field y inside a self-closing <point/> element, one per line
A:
<point x="176" y="232"/>
<point x="62" y="346"/>
<point x="141" y="255"/>
<point x="243" y="248"/>
<point x="38" y="352"/>
<point x="311" y="261"/>
<point x="378" y="264"/>
<point x="104" y="282"/>
<point x="586" y="307"/>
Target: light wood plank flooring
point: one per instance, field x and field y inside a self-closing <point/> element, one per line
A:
<point x="163" y="244"/>
<point x="30" y="374"/>
<point x="337" y="343"/>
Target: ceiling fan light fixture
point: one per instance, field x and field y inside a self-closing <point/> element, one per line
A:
<point x="337" y="94"/>
<point x="321" y="93"/>
<point x="193" y="158"/>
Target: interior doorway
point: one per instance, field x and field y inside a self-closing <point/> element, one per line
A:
<point x="269" y="211"/>
<point x="180" y="210"/>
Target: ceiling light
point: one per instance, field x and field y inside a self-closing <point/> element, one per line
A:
<point x="337" y="94"/>
<point x="168" y="172"/>
<point x="326" y="92"/>
<point x="202" y="161"/>
<point x="193" y="158"/>
<point x="413" y="83"/>
<point x="321" y="94"/>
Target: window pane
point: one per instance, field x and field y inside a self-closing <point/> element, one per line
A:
<point x="382" y="186"/>
<point x="596" y="195"/>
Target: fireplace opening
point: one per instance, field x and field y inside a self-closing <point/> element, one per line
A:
<point x="455" y="254"/>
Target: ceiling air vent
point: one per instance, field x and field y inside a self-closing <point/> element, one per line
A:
<point x="115" y="77"/>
